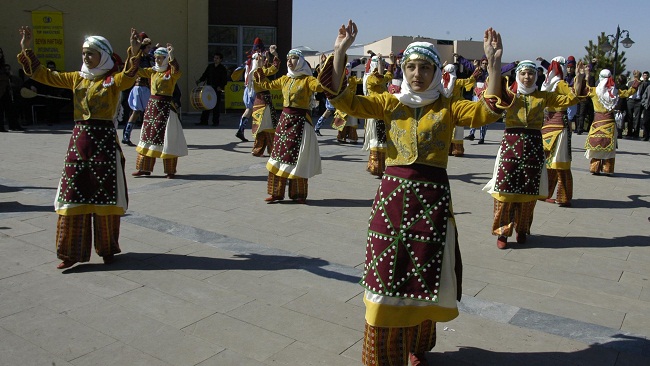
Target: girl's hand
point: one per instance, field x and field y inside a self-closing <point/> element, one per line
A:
<point x="170" y="50"/>
<point x="492" y="45"/>
<point x="346" y="36"/>
<point x="26" y="37"/>
<point x="135" y="41"/>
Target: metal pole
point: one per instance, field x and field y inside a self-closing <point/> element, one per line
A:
<point x="618" y="35"/>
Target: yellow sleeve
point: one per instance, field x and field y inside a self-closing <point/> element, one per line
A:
<point x="57" y="79"/>
<point x="562" y="97"/>
<point x="372" y="106"/>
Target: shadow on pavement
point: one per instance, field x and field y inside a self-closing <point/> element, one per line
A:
<point x="635" y="201"/>
<point x="244" y="262"/>
<point x="626" y="350"/>
<point x="562" y="242"/>
<point x="15" y="206"/>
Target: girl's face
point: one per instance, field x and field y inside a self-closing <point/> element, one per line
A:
<point x="527" y="77"/>
<point x="90" y="57"/>
<point x="419" y="74"/>
<point x="159" y="60"/>
<point x="147" y="49"/>
<point x="292" y="62"/>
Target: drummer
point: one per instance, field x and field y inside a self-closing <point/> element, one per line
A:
<point x="216" y="76"/>
<point x="162" y="134"/>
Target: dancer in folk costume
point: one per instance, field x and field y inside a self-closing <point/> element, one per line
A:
<point x="265" y="117"/>
<point x="454" y="87"/>
<point x="412" y="275"/>
<point x="520" y="176"/>
<point x="556" y="136"/>
<point x="345" y="123"/>
<point x="375" y="129"/>
<point x="601" y="142"/>
<point x="140" y="93"/>
<point x="162" y="133"/>
<point x="249" y="88"/>
<point x="92" y="193"/>
<point x="295" y="156"/>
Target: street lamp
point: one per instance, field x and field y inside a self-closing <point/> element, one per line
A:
<point x="607" y="46"/>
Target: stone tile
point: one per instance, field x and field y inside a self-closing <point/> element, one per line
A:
<point x="561" y="275"/>
<point x="163" y="307"/>
<point x="236" y="335"/>
<point x="315" y="305"/>
<point x="15" y="228"/>
<point x="603" y="300"/>
<point x="228" y="357"/>
<point x="15" y="252"/>
<point x="118" y="354"/>
<point x="261" y="288"/>
<point x="306" y="354"/>
<point x="638" y="323"/>
<point x="331" y="282"/>
<point x="55" y="333"/>
<point x="195" y="291"/>
<point x="552" y="305"/>
<point x="145" y="334"/>
<point x="510" y="280"/>
<point x="296" y="325"/>
<point x="16" y="351"/>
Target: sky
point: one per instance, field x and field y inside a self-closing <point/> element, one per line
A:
<point x="529" y="29"/>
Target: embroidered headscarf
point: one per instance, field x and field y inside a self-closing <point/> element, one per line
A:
<point x="302" y="67"/>
<point x="161" y="51"/>
<point x="427" y="52"/>
<point x="606" y="90"/>
<point x="518" y="86"/>
<point x="101" y="45"/>
<point x="555" y="73"/>
<point x="448" y="80"/>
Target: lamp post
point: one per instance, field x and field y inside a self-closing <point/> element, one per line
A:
<point x="607" y="44"/>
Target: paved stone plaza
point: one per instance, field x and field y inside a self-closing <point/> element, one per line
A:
<point x="212" y="275"/>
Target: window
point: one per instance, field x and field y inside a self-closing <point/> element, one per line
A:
<point x="234" y="41"/>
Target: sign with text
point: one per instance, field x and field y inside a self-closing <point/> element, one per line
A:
<point x="47" y="34"/>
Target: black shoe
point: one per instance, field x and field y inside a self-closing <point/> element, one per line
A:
<point x="481" y="142"/>
<point x="318" y="133"/>
<point x="240" y="135"/>
<point x="470" y="137"/>
<point x="128" y="143"/>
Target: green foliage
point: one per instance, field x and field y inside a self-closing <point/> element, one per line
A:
<point x="605" y="60"/>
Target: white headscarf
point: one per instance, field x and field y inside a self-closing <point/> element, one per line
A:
<point x="448" y="80"/>
<point x="421" y="51"/>
<point x="302" y="67"/>
<point x="554" y="74"/>
<point x="606" y="90"/>
<point x="163" y="66"/>
<point x="106" y="63"/>
<point x="521" y="88"/>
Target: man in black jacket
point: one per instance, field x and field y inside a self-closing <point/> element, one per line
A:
<point x="215" y="75"/>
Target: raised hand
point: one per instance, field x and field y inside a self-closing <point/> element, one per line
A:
<point x="26" y="37"/>
<point x="492" y="45"/>
<point x="346" y="36"/>
<point x="134" y="40"/>
<point x="170" y="51"/>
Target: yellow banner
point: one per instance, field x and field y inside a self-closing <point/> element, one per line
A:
<point x="47" y="35"/>
<point x="235" y="96"/>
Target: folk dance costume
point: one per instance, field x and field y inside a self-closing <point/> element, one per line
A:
<point x="140" y="93"/>
<point x="92" y="191"/>
<point x="375" y="129"/>
<point x="520" y="176"/>
<point x="453" y="86"/>
<point x="346" y="124"/>
<point x="556" y="136"/>
<point x="295" y="156"/>
<point x="162" y="133"/>
<point x="265" y="117"/>
<point x="601" y="142"/>
<point x="412" y="275"/>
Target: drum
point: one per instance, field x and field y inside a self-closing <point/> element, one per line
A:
<point x="203" y="98"/>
